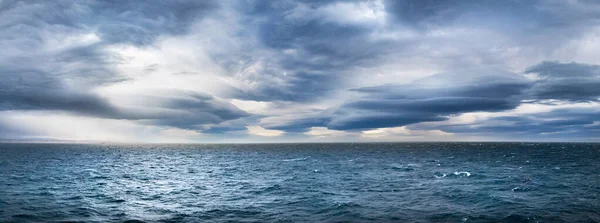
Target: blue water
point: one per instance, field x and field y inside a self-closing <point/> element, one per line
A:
<point x="373" y="182"/>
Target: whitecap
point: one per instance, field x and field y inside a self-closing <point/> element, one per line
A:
<point x="439" y="176"/>
<point x="89" y="171"/>
<point x="519" y="189"/>
<point x="463" y="173"/>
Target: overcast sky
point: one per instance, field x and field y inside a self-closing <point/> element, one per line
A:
<point x="300" y="71"/>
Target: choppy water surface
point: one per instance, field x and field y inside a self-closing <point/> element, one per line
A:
<point x="409" y="182"/>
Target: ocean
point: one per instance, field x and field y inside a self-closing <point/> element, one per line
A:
<point x="337" y="182"/>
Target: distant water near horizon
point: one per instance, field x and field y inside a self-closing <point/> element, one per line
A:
<point x="337" y="182"/>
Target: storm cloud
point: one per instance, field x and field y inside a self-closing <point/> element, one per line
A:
<point x="428" y="99"/>
<point x="566" y="81"/>
<point x="221" y="68"/>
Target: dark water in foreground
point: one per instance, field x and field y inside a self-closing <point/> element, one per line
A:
<point x="410" y="182"/>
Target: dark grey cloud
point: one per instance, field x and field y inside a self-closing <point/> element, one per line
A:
<point x="349" y="120"/>
<point x="326" y="51"/>
<point x="566" y="81"/>
<point x="436" y="97"/>
<point x="425" y="100"/>
<point x="440" y="104"/>
<point x="318" y="58"/>
<point x="517" y="16"/>
<point x="32" y="29"/>
<point x="116" y="21"/>
<point x="398" y="105"/>
<point x="559" y="123"/>
<point x="76" y="102"/>
<point x="29" y="28"/>
<point x="303" y="123"/>
<point x="140" y="22"/>
<point x="188" y="110"/>
<point x="234" y="125"/>
<point x="435" y="12"/>
<point x="322" y="59"/>
<point x="26" y="88"/>
<point x="301" y="52"/>
<point x="422" y="13"/>
<point x="35" y="90"/>
<point x="554" y="69"/>
<point x="38" y="74"/>
<point x="300" y="86"/>
<point x="390" y="106"/>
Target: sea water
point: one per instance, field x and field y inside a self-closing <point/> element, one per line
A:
<point x="344" y="182"/>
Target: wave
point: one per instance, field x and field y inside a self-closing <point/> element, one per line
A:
<point x="462" y="174"/>
<point x="266" y="190"/>
<point x="512" y="218"/>
<point x="408" y="167"/>
<point x="442" y="175"/>
<point x="455" y="174"/>
<point x="296" y="159"/>
<point x="134" y="221"/>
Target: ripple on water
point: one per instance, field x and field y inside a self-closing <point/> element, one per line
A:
<point x="416" y="182"/>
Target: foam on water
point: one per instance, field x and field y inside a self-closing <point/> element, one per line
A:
<point x="442" y="175"/>
<point x="373" y="182"/>
<point x="462" y="174"/>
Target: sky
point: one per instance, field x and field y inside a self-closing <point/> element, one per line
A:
<point x="300" y="71"/>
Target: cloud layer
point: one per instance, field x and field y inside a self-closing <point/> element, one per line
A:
<point x="224" y="71"/>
